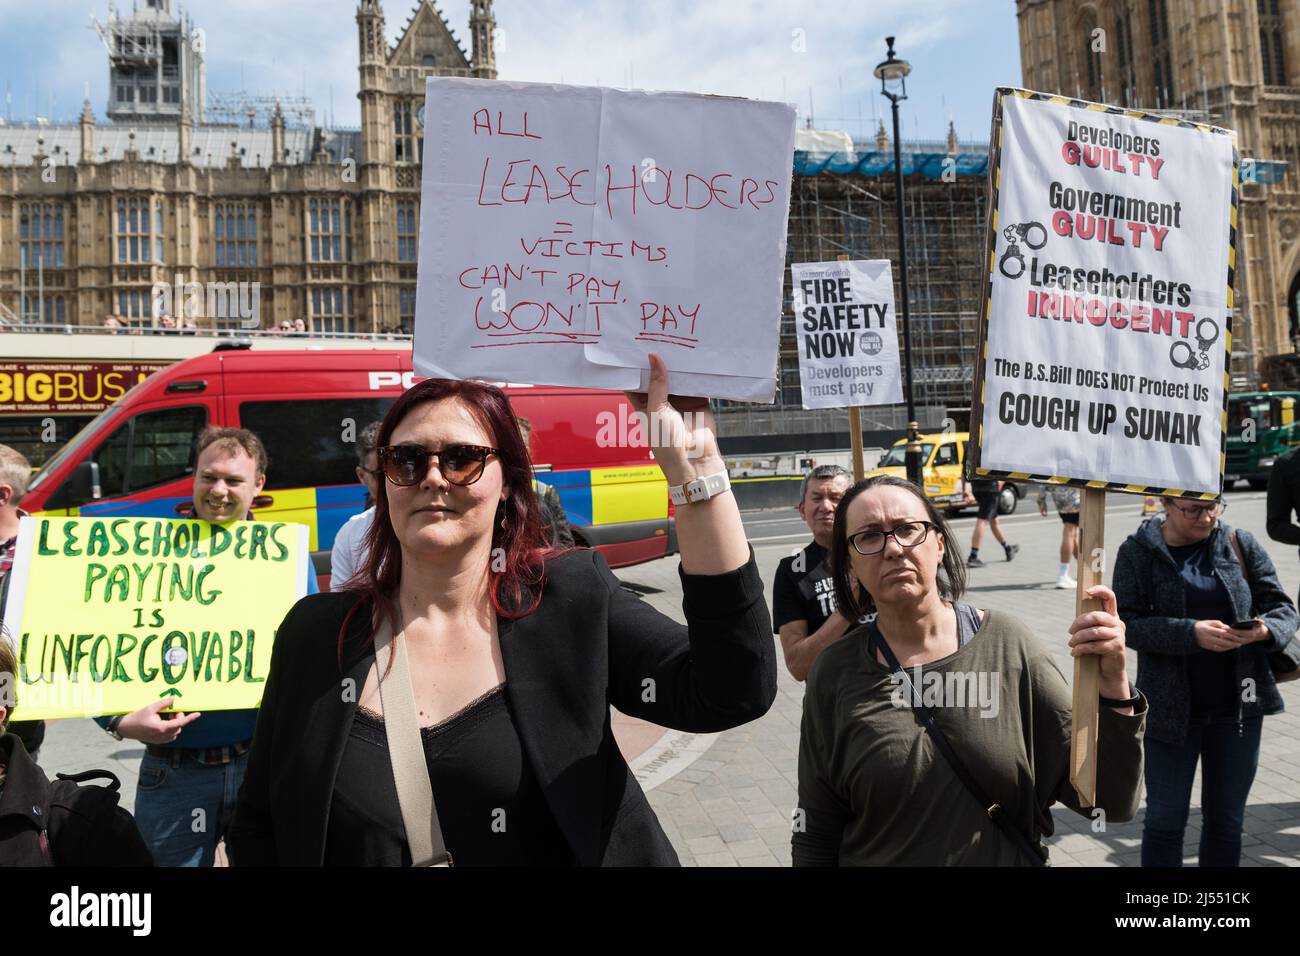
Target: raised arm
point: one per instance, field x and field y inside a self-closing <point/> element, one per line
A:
<point x="710" y="535"/>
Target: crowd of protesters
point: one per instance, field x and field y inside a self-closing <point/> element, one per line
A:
<point x="486" y="649"/>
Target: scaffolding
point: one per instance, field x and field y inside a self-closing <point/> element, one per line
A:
<point x="854" y="215"/>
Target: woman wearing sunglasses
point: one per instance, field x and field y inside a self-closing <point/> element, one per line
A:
<point x="514" y="653"/>
<point x="1204" y="608"/>
<point x="939" y="734"/>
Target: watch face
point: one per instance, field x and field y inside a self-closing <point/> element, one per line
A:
<point x="419" y="115"/>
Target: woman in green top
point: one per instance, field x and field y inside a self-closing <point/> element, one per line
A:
<point x="874" y="787"/>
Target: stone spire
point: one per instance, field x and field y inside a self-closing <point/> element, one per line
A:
<point x="87" y="133"/>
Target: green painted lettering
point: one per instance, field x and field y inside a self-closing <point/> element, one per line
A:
<point x="94" y="572"/>
<point x="199" y="594"/>
<point x="144" y="651"/>
<point x="97" y="540"/>
<point x="70" y="540"/>
<point x="119" y="671"/>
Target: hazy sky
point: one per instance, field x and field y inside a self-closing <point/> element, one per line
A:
<point x="959" y="49"/>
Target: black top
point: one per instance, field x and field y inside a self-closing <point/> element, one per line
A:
<point x="803" y="589"/>
<point x="490" y="806"/>
<point x="590" y="644"/>
<point x="1213" y="674"/>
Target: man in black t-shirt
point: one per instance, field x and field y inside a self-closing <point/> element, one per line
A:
<point x="803" y="592"/>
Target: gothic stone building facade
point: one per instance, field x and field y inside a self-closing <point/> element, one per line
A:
<point x="1234" y="63"/>
<point x="94" y="216"/>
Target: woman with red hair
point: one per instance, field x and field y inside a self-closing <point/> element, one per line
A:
<point x="497" y="748"/>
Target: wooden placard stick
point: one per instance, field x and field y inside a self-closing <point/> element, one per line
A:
<point x="855" y="437"/>
<point x="855" y="428"/>
<point x="1087" y="673"/>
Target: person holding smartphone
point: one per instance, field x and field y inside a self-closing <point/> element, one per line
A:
<point x="1204" y="608"/>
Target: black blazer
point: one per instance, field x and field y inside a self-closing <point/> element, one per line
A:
<point x="588" y="645"/>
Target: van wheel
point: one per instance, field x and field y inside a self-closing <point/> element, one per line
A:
<point x="1259" y="484"/>
<point x="1007" y="500"/>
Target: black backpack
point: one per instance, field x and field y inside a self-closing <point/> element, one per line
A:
<point x="88" y="828"/>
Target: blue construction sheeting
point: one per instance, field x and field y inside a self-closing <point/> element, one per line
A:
<point x="931" y="165"/>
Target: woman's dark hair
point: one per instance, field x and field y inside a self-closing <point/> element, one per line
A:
<point x="952" y="572"/>
<point x="519" y="571"/>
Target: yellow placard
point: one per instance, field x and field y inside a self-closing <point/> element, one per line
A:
<point x="107" y="614"/>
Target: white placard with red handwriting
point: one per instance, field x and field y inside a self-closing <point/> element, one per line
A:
<point x="567" y="232"/>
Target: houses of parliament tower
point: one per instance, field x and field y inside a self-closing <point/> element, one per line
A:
<point x="1232" y="63"/>
<point x="179" y="183"/>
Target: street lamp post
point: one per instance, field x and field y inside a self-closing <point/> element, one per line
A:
<point x="892" y="74"/>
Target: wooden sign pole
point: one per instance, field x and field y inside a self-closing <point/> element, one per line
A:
<point x="855" y="437"/>
<point x="855" y="428"/>
<point x="1087" y="675"/>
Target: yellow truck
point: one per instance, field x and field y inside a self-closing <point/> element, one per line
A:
<point x="943" y="454"/>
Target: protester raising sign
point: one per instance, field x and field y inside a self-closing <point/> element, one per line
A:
<point x="567" y="232"/>
<point x="108" y="614"/>
<point x="1104" y="344"/>
<point x="848" y="340"/>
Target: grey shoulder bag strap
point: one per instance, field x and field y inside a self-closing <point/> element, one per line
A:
<point x="406" y="750"/>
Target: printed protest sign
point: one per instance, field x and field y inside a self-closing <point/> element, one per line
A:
<point x="847" y="336"/>
<point x="567" y="232"/>
<point x="108" y="614"/>
<point x="1107" y="327"/>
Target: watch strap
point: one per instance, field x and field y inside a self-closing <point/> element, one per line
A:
<point x="700" y="489"/>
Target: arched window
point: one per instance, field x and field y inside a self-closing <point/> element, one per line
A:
<point x="1272" y="50"/>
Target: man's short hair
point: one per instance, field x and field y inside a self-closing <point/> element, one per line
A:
<point x="8" y="666"/>
<point x="15" y="471"/>
<point x="821" y="473"/>
<point x="367" y="442"/>
<point x="233" y="440"/>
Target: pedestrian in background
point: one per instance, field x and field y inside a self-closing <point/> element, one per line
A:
<point x="1204" y="607"/>
<point x="15" y="473"/>
<point x="987" y="492"/>
<point x="555" y="520"/>
<point x="803" y="589"/>
<point x="887" y="780"/>
<point x="1066" y="500"/>
<point x="348" y="553"/>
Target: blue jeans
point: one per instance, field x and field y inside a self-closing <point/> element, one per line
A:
<point x="1229" y="759"/>
<point x="183" y="807"/>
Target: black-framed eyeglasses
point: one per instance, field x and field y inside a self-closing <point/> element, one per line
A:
<point x="406" y="465"/>
<point x="908" y="535"/>
<point x="1195" y="511"/>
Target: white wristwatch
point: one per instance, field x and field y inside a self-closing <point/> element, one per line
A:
<point x="701" y="489"/>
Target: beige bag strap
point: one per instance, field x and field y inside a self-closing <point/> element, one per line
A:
<point x="406" y="750"/>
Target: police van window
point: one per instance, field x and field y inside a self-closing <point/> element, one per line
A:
<point x="946" y="455"/>
<point x="112" y="458"/>
<point x="311" y="443"/>
<point x="162" y="446"/>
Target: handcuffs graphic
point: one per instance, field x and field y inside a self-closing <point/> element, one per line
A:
<point x="1016" y="233"/>
<point x="1200" y="359"/>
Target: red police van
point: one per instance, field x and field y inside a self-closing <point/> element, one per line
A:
<point x="137" y="457"/>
